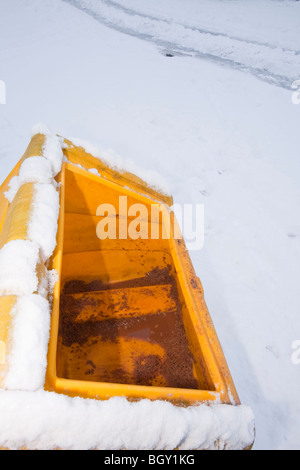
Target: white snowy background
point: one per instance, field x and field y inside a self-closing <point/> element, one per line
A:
<point x="217" y="122"/>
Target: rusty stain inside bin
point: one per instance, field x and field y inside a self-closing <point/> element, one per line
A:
<point x="113" y="343"/>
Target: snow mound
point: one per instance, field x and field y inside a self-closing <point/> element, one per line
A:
<point x="18" y="261"/>
<point x="45" y="420"/>
<point x="30" y="335"/>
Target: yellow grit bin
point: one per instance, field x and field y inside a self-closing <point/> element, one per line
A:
<point x="128" y="312"/>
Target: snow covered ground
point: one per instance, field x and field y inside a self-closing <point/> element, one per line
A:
<point x="217" y="122"/>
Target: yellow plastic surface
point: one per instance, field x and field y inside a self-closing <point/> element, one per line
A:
<point x="14" y="218"/>
<point x="78" y="156"/>
<point x="34" y="148"/>
<point x="6" y="305"/>
<point x="15" y="225"/>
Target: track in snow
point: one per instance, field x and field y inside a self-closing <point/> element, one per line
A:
<point x="263" y="60"/>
